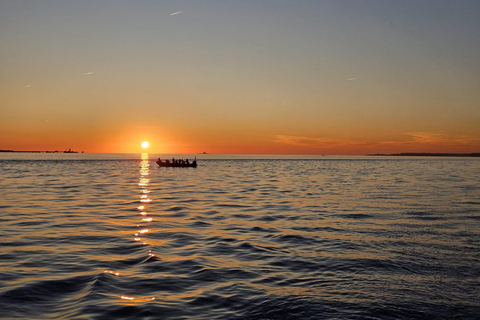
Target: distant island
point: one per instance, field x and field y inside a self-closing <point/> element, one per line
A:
<point x="424" y="154"/>
<point x="56" y="151"/>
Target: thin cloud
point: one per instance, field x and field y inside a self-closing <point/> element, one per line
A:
<point x="424" y="141"/>
<point x="175" y="13"/>
<point x="411" y="139"/>
<point x="351" y="79"/>
<point x="88" y="73"/>
<point x="439" y="139"/>
<point x="28" y="86"/>
<point x="314" y="142"/>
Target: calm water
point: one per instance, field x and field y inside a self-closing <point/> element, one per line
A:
<point x="320" y="238"/>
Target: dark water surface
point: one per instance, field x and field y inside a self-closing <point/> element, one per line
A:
<point x="326" y="238"/>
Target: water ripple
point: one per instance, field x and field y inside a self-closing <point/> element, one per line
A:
<point x="362" y="238"/>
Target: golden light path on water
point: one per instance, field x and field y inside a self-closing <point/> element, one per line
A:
<point x="145" y="199"/>
<point x="144" y="195"/>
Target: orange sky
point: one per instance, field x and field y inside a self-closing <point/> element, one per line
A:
<point x="326" y="77"/>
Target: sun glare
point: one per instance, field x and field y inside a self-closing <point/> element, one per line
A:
<point x="145" y="144"/>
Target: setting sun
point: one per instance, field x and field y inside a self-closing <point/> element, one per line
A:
<point x="145" y="144"/>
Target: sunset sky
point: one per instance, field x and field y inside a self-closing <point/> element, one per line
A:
<point x="244" y="76"/>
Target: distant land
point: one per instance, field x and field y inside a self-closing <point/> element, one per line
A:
<point x="56" y="151"/>
<point x="421" y="154"/>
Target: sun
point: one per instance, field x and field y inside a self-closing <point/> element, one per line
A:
<point x="145" y="144"/>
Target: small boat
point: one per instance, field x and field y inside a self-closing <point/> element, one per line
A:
<point x="177" y="164"/>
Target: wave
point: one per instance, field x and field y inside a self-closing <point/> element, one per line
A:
<point x="378" y="239"/>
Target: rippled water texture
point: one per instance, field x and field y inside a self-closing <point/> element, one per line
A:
<point x="355" y="238"/>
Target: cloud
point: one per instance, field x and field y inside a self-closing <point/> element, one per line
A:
<point x="28" y="86"/>
<point x="314" y="142"/>
<point x="88" y="73"/>
<point x="438" y="139"/>
<point x="411" y="140"/>
<point x="175" y="13"/>
<point x="351" y="79"/>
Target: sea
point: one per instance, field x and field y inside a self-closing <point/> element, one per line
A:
<point x="114" y="236"/>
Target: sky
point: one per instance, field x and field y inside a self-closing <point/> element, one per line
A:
<point x="240" y="76"/>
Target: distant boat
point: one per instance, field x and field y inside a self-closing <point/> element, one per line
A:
<point x="177" y="163"/>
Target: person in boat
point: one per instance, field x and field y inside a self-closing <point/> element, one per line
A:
<point x="173" y="160"/>
<point x="187" y="162"/>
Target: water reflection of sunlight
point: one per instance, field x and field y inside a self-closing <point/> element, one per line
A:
<point x="144" y="197"/>
<point x="143" y="182"/>
<point x="133" y="299"/>
<point x="145" y="219"/>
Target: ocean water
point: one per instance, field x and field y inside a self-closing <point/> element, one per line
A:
<point x="117" y="237"/>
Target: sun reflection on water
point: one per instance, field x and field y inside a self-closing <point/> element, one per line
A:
<point x="142" y="209"/>
<point x="145" y="192"/>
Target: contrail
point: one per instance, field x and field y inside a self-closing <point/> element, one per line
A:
<point x="175" y="13"/>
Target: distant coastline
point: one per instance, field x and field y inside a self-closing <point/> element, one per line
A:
<point x="424" y="154"/>
<point x="56" y="151"/>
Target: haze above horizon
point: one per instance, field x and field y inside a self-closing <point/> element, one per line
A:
<point x="244" y="77"/>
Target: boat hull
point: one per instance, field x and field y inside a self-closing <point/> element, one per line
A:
<point x="176" y="165"/>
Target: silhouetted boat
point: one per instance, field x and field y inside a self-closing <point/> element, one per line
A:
<point x="177" y="164"/>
